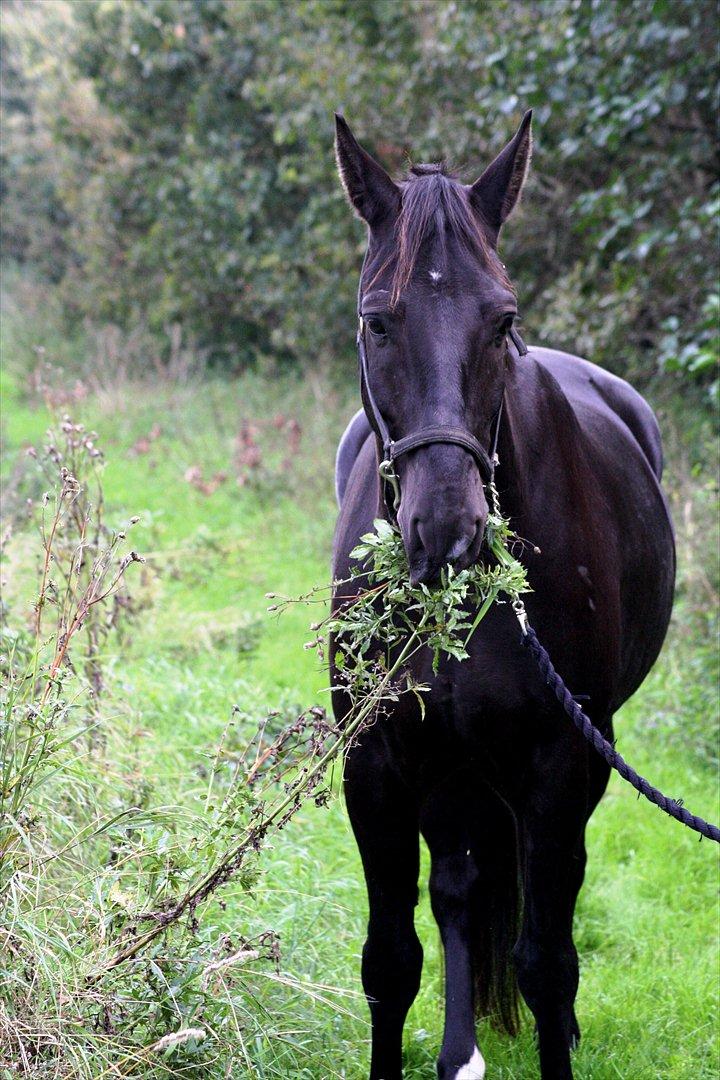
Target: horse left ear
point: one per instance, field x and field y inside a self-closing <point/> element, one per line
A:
<point x="496" y="192"/>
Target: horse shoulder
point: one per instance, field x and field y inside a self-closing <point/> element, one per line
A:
<point x="589" y="387"/>
<point x="632" y="567"/>
<point x="351" y="442"/>
<point x="358" y="495"/>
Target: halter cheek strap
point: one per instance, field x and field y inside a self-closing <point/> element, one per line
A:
<point x="392" y="450"/>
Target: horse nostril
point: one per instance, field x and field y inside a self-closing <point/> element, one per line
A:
<point x="433" y="543"/>
<point x="460" y="546"/>
<point x="468" y="543"/>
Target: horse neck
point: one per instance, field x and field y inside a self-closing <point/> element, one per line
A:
<point x="538" y="437"/>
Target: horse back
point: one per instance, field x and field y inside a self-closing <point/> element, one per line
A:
<point x="591" y="388"/>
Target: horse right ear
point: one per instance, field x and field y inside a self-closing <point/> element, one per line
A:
<point x="370" y="190"/>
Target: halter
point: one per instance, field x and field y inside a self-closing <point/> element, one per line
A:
<point x="393" y="449"/>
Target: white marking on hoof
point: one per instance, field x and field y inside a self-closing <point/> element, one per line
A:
<point x="475" y="1068"/>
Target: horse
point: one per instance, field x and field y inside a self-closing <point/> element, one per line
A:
<point x="499" y="784"/>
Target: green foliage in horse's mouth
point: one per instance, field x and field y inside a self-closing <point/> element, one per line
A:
<point x="443" y="616"/>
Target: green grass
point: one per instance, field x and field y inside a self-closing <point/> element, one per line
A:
<point x="646" y="925"/>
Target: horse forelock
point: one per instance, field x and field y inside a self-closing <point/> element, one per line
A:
<point x="434" y="205"/>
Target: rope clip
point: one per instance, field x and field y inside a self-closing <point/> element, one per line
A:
<point x="519" y="609"/>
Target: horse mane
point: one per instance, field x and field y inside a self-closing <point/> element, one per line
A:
<point x="434" y="203"/>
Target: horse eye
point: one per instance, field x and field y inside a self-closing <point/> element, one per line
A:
<point x="504" y="327"/>
<point x="376" y="326"/>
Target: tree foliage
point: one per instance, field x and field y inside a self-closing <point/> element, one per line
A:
<point x="181" y="155"/>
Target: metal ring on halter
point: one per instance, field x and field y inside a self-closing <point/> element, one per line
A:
<point x="387" y="472"/>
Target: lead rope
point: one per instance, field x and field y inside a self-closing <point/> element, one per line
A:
<point x="582" y="722"/>
<point x="585" y="726"/>
<point x="606" y="750"/>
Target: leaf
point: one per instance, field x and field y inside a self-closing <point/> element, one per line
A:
<point x="118" y="896"/>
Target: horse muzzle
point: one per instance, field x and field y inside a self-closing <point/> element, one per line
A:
<point x="443" y="520"/>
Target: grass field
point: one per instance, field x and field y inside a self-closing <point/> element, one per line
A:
<point x="646" y="926"/>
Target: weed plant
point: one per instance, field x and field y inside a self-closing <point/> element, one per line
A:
<point x="108" y="967"/>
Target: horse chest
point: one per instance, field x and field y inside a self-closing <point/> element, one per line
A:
<point x="484" y="698"/>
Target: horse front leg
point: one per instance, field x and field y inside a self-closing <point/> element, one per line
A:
<point x="383" y="813"/>
<point x="561" y="794"/>
<point x="454" y="879"/>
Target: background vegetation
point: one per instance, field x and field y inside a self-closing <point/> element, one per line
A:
<point x="179" y="276"/>
<point x="169" y="162"/>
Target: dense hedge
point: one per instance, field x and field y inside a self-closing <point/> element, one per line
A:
<point x="172" y="161"/>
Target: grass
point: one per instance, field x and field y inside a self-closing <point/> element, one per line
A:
<point x="646" y="925"/>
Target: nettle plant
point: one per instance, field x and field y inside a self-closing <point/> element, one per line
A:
<point x="378" y="630"/>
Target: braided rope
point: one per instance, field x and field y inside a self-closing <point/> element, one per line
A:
<point x="588" y="730"/>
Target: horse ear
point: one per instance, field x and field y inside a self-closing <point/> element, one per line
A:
<point x="496" y="192"/>
<point x="367" y="185"/>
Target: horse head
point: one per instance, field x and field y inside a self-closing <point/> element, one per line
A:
<point x="436" y="307"/>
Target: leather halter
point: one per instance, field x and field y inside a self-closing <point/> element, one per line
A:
<point x="393" y="449"/>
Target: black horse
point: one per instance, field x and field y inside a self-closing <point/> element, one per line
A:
<point x="496" y="780"/>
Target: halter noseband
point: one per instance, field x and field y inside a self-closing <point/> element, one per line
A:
<point x="392" y="449"/>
